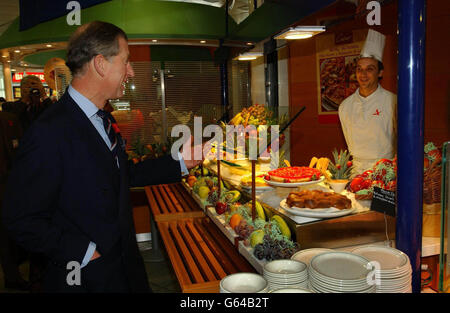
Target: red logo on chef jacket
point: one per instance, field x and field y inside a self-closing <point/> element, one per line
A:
<point x="376" y="112"/>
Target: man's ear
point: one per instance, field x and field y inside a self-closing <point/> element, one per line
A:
<point x="380" y="74"/>
<point x="99" y="64"/>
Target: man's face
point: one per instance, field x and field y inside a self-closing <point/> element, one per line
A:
<point x="118" y="70"/>
<point x="367" y="73"/>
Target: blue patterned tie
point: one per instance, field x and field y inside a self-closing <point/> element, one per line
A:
<point x="113" y="138"/>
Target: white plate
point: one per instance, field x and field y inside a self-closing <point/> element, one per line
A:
<point x="322" y="289"/>
<point x="285" y="267"/>
<point x="306" y="255"/>
<point x="292" y="290"/>
<point x="243" y="283"/>
<point x="290" y="185"/>
<point x="390" y="259"/>
<point x="286" y="281"/>
<point x="345" y="286"/>
<point x="341" y="266"/>
<point x="318" y="213"/>
<point x="273" y="286"/>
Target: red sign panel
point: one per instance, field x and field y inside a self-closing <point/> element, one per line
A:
<point x="17" y="77"/>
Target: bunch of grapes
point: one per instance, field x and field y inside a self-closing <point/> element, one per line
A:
<point x="213" y="197"/>
<point x="272" y="249"/>
<point x="243" y="229"/>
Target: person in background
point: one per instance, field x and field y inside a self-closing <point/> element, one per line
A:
<point x="2" y="100"/>
<point x="73" y="165"/>
<point x="32" y="103"/>
<point x="368" y="116"/>
<point x="11" y="254"/>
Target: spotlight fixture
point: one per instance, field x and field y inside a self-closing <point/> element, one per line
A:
<point x="154" y="40"/>
<point x="17" y="51"/>
<point x="300" y="32"/>
<point x="49" y="46"/>
<point x="248" y="56"/>
<point x="202" y="41"/>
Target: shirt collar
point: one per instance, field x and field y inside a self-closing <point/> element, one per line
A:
<point x="372" y="95"/>
<point x="86" y="105"/>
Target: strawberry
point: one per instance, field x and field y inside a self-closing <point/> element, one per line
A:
<point x="384" y="161"/>
<point x="366" y="184"/>
<point x="378" y="183"/>
<point x="392" y="185"/>
<point x="355" y="185"/>
<point x="435" y="155"/>
<point x="367" y="174"/>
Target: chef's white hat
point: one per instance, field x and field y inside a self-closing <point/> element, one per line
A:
<point x="374" y="45"/>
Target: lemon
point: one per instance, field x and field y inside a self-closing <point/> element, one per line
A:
<point x="203" y="192"/>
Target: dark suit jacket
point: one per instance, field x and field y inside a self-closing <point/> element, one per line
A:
<point x="65" y="190"/>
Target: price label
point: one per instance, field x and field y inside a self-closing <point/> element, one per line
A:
<point x="384" y="201"/>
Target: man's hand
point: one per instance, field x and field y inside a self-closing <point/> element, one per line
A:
<point x="95" y="255"/>
<point x="187" y="152"/>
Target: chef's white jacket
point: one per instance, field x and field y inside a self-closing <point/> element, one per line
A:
<point x="369" y="126"/>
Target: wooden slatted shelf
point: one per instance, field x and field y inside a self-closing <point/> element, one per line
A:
<point x="170" y="202"/>
<point x="200" y="254"/>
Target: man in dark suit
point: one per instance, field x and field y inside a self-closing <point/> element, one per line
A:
<point x="68" y="193"/>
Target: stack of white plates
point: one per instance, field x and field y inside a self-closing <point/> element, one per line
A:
<point x="243" y="283"/>
<point x="282" y="274"/>
<point x="392" y="268"/>
<point x="339" y="272"/>
<point x="292" y="290"/>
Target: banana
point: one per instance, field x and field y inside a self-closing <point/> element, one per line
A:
<point x="284" y="228"/>
<point x="260" y="210"/>
<point x="313" y="162"/>
<point x="288" y="164"/>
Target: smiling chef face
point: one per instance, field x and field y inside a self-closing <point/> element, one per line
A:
<point x="368" y="73"/>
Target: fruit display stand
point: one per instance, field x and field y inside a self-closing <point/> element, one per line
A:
<point x="363" y="227"/>
<point x="171" y="202"/>
<point x="201" y="256"/>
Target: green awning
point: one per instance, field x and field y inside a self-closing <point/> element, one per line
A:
<point x="139" y="19"/>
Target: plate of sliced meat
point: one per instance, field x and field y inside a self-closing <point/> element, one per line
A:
<point x="317" y="203"/>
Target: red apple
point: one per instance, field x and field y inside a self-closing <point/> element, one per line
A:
<point x="221" y="207"/>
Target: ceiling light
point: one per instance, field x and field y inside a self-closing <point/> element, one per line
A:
<point x="154" y="40"/>
<point x="16" y="51"/>
<point x="49" y="45"/>
<point x="249" y="44"/>
<point x="248" y="56"/>
<point x="202" y="41"/>
<point x="300" y="32"/>
<point x="9" y="61"/>
<point x="4" y="56"/>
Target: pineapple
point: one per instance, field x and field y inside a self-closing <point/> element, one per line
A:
<point x="342" y="166"/>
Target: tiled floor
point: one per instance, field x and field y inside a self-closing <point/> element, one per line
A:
<point x="160" y="274"/>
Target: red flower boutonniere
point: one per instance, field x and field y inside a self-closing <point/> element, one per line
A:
<point x="10" y="123"/>
<point x="116" y="128"/>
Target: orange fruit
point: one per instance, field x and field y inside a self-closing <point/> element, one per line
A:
<point x="235" y="220"/>
<point x="191" y="180"/>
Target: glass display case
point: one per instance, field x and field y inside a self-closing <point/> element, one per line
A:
<point x="444" y="261"/>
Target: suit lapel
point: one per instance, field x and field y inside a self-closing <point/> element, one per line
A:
<point x="100" y="151"/>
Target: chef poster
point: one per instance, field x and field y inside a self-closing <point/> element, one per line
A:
<point x="336" y="56"/>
